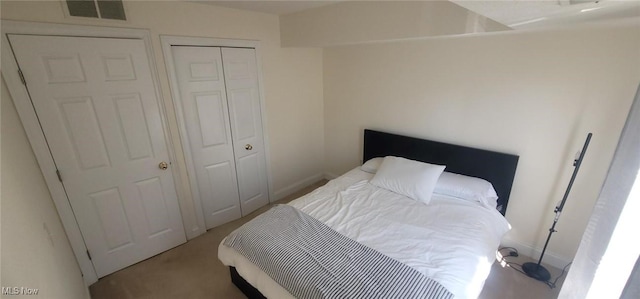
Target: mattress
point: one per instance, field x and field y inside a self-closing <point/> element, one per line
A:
<point x="450" y="240"/>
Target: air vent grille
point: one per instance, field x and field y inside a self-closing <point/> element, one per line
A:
<point x="102" y="9"/>
<point x="574" y="2"/>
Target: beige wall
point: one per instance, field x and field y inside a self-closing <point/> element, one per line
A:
<point x="293" y="99"/>
<point x="365" y="21"/>
<point x="534" y="94"/>
<point x="35" y="250"/>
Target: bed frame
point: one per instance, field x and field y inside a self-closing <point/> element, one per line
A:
<point x="497" y="168"/>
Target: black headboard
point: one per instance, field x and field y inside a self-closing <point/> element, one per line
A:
<point x="497" y="168"/>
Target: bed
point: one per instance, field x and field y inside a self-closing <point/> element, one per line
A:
<point x="444" y="245"/>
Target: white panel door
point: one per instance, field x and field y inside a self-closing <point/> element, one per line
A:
<point x="205" y="115"/>
<point x="96" y="102"/>
<point x="241" y="77"/>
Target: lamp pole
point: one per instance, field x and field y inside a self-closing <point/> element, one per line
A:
<point x="537" y="271"/>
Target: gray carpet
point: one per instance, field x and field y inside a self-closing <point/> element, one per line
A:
<point x="192" y="270"/>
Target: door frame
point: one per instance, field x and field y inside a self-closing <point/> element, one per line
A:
<point x="172" y="40"/>
<point x="36" y="136"/>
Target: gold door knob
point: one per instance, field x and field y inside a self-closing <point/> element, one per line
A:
<point x="163" y="165"/>
<point x="248" y="147"/>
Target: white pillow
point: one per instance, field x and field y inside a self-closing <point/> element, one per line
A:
<point x="372" y="165"/>
<point x="410" y="178"/>
<point x="467" y="188"/>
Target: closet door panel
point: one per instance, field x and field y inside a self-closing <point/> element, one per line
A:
<point x="251" y="189"/>
<point x="241" y="77"/>
<point x="203" y="101"/>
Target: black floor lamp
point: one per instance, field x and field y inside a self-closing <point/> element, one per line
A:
<point x="535" y="270"/>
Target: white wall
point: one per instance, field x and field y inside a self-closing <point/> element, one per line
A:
<point x="360" y="21"/>
<point x="35" y="250"/>
<point x="293" y="97"/>
<point x="534" y="94"/>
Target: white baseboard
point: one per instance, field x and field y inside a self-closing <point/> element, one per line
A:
<point x="549" y="258"/>
<point x="297" y="186"/>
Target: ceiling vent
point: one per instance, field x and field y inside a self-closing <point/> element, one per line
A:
<point x="574" y="2"/>
<point x="101" y="9"/>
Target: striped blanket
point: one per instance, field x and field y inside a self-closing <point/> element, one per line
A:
<point x="311" y="260"/>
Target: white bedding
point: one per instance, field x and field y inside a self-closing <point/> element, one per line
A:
<point x="453" y="241"/>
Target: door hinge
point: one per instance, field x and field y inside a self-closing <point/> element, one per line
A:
<point x="59" y="175"/>
<point x="88" y="254"/>
<point x="24" y="82"/>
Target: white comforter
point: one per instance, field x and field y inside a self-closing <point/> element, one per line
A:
<point x="453" y="241"/>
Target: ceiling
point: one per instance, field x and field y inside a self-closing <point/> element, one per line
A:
<point x="520" y="14"/>
<point x="517" y="14"/>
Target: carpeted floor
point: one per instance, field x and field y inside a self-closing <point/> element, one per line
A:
<point x="192" y="270"/>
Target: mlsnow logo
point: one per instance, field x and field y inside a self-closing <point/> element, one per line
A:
<point x="15" y="291"/>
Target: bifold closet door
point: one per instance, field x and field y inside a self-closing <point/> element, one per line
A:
<point x="206" y="118"/>
<point x="218" y="98"/>
<point x="241" y="77"/>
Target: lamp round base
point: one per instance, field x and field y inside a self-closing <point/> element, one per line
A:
<point x="536" y="271"/>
